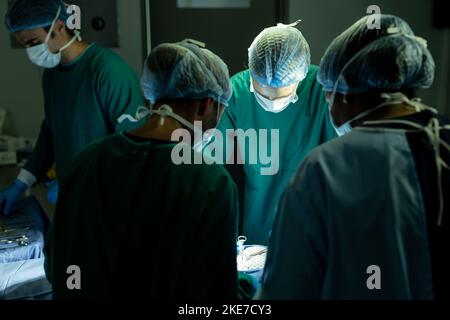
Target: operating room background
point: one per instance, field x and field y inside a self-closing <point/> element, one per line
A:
<point x="229" y="33"/>
<point x="20" y="85"/>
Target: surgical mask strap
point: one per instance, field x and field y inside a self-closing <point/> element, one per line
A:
<point x="401" y="98"/>
<point x="53" y="25"/>
<point x="366" y="113"/>
<point x="219" y="114"/>
<point x="166" y="111"/>
<point x="432" y="131"/>
<point x="76" y="37"/>
<point x="141" y="113"/>
<point x="391" y="99"/>
<point x="240" y="244"/>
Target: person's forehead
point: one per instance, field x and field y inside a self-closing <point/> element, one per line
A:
<point x="274" y="91"/>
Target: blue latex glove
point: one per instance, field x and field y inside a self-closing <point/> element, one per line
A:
<point x="52" y="194"/>
<point x="9" y="197"/>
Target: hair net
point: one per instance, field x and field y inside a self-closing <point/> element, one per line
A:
<point x="389" y="59"/>
<point x="33" y="14"/>
<point x="279" y="56"/>
<point x="185" y="70"/>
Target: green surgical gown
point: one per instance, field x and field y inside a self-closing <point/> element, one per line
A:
<point x="82" y="102"/>
<point x="139" y="226"/>
<point x="302" y="127"/>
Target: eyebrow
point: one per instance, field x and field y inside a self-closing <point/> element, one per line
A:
<point x="275" y="98"/>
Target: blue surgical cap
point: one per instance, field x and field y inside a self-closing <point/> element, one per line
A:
<point x="33" y="14"/>
<point x="279" y="56"/>
<point x="184" y="70"/>
<point x="390" y="59"/>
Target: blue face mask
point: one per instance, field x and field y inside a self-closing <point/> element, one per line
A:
<point x="343" y="129"/>
<point x="391" y="99"/>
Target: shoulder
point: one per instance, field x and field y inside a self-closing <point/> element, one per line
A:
<point x="241" y="80"/>
<point x="104" y="144"/>
<point x="354" y="141"/>
<point x="241" y="90"/>
<point x="311" y="77"/>
<point x="104" y="56"/>
<point x="340" y="155"/>
<point x="207" y="176"/>
<point x="312" y="72"/>
<point x="106" y="61"/>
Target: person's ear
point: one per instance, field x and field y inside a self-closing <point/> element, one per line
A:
<point x="59" y="28"/>
<point x="345" y="99"/>
<point x="204" y="106"/>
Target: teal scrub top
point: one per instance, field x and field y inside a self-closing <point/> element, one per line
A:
<point x="302" y="127"/>
<point x="139" y="226"/>
<point x="82" y="102"/>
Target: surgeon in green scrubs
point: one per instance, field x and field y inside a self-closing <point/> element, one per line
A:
<point x="86" y="89"/>
<point x="137" y="223"/>
<point x="280" y="92"/>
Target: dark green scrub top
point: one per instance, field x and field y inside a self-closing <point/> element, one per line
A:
<point x="139" y="226"/>
<point x="83" y="101"/>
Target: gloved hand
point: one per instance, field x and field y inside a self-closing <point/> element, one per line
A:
<point x="9" y="197"/>
<point x="53" y="189"/>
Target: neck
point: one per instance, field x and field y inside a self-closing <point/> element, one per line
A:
<point x="388" y="112"/>
<point x="73" y="52"/>
<point x="153" y="129"/>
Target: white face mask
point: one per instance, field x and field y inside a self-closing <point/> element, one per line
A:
<point x="41" y="55"/>
<point x="274" y="106"/>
